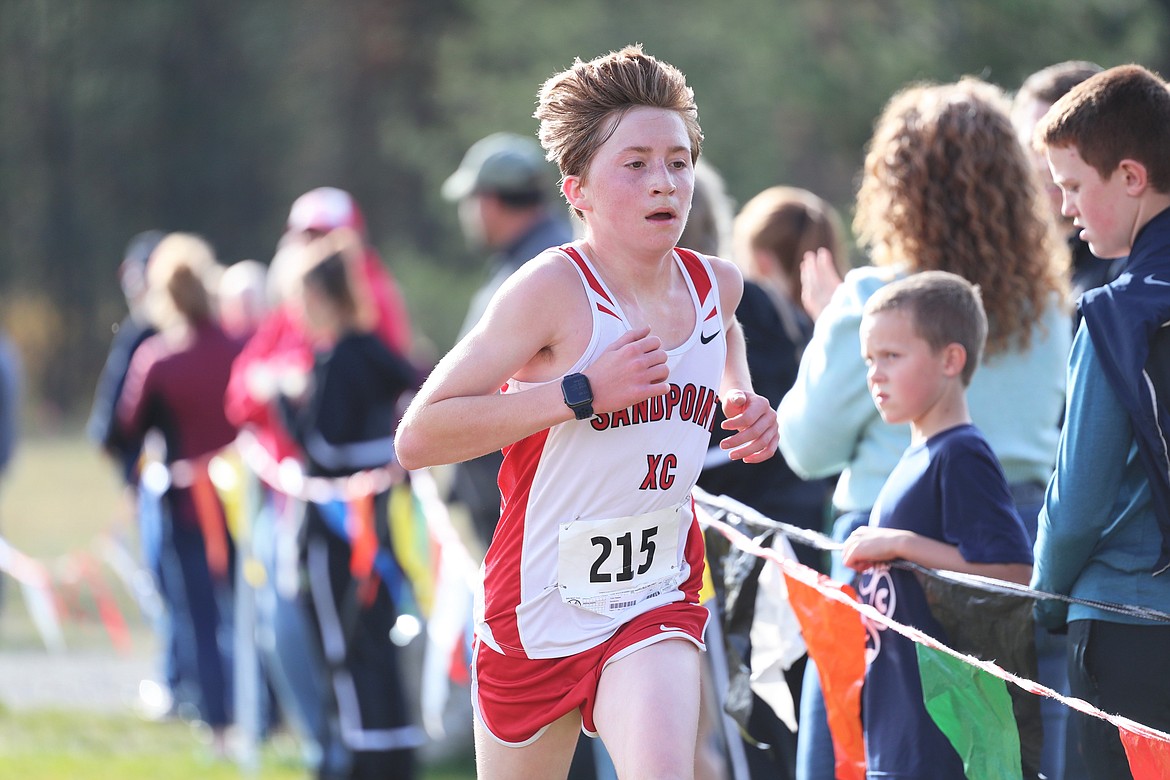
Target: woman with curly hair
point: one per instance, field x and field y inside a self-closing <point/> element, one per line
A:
<point x="946" y="186"/>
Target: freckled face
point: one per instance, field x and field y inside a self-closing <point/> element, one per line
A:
<point x="905" y="375"/>
<point x="1099" y="207"/>
<point x="639" y="184"/>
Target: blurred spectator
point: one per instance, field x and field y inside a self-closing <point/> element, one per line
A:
<point x="102" y="427"/>
<point x="280" y="352"/>
<point x="508" y="208"/>
<point x="11" y="391"/>
<point x="708" y="230"/>
<point x="280" y="343"/>
<point x="772" y="233"/>
<point x="242" y="298"/>
<point x="381" y="307"/>
<point x="769" y="237"/>
<point x="344" y="423"/>
<point x="175" y="387"/>
<point x="1035" y="96"/>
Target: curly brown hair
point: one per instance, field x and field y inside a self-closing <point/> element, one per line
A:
<point x="948" y="186"/>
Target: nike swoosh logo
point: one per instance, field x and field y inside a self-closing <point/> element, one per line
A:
<point x="1150" y="280"/>
<point x="707" y="339"/>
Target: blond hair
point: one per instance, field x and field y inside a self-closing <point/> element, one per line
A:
<point x="177" y="278"/>
<point x="944" y="308"/>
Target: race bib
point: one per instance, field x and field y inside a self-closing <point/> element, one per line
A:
<point x="609" y="566"/>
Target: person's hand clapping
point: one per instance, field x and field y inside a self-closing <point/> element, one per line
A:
<point x="819" y="278"/>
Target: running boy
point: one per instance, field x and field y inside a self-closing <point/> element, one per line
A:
<point x="1107" y="509"/>
<point x="612" y="353"/>
<point x="946" y="505"/>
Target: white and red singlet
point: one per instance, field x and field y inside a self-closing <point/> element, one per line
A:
<point x="597" y="524"/>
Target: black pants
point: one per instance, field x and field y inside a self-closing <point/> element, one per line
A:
<point x="1122" y="669"/>
<point x="370" y="735"/>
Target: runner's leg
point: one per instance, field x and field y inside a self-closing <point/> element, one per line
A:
<point x="547" y="758"/>
<point x="647" y="710"/>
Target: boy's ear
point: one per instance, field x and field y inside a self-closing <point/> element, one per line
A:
<point x="574" y="191"/>
<point x="954" y="359"/>
<point x="1135" y="176"/>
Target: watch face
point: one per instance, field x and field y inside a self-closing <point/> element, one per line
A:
<point x="577" y="390"/>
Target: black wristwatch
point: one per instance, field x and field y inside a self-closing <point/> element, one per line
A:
<point x="578" y="395"/>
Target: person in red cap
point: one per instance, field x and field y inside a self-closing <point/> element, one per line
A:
<point x="281" y="344"/>
<point x="282" y="350"/>
<point x="326" y="209"/>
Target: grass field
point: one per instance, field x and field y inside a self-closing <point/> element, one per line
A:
<point x="58" y="503"/>
<point x="73" y="745"/>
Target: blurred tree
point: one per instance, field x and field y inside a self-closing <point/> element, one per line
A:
<point x="203" y="115"/>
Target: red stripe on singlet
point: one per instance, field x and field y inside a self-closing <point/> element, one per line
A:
<point x="698" y="273"/>
<point x="502" y="570"/>
<point x="593" y="282"/>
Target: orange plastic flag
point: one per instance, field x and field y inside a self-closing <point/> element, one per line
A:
<point x="107" y="606"/>
<point x="836" y="642"/>
<point x="1149" y="757"/>
<point x="363" y="539"/>
<point x="211" y="520"/>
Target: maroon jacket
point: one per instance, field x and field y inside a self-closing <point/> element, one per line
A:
<point x="178" y="389"/>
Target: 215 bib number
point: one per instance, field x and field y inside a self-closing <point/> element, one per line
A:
<point x="625" y="544"/>
<point x="609" y="566"/>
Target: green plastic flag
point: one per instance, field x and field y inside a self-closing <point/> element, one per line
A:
<point x="973" y="709"/>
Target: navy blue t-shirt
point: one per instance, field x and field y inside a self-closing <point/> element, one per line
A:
<point x="950" y="488"/>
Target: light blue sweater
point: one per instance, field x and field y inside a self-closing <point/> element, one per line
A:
<point x="1098" y="537"/>
<point x="829" y="424"/>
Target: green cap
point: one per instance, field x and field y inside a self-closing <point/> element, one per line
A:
<point x="501" y="163"/>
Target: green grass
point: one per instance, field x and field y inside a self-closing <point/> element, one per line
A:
<point x="56" y="504"/>
<point x="57" y="745"/>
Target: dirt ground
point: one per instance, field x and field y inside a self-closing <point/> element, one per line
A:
<point x="102" y="681"/>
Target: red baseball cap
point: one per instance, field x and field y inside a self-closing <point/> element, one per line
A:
<point x="325" y="209"/>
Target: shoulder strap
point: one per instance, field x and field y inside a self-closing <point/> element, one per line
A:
<point x="703" y="279"/>
<point x="593" y="286"/>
